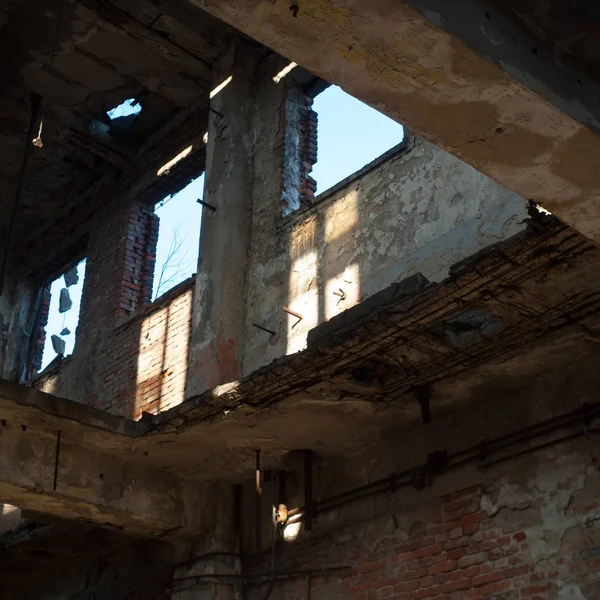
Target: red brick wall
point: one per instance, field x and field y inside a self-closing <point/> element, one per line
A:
<point x="130" y="355"/>
<point x="307" y="150"/>
<point x="140" y="365"/>
<point x="38" y="349"/>
<point x="120" y="266"/>
<point x="148" y="372"/>
<point x="140" y="257"/>
<point x="471" y="544"/>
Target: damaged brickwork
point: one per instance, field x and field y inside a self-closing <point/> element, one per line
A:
<point x="148" y="372"/>
<point x="533" y="534"/>
<point x="40" y="341"/>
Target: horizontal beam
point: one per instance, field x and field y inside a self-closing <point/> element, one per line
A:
<point x="405" y="64"/>
<point x="43" y="474"/>
<point x="66" y="460"/>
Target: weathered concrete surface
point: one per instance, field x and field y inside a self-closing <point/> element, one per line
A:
<point x="415" y="210"/>
<point x="215" y="349"/>
<point x="87" y="475"/>
<point x="242" y="166"/>
<point x="398" y="61"/>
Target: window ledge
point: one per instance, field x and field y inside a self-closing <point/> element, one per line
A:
<point x="405" y="146"/>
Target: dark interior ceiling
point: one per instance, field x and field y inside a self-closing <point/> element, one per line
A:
<point x="83" y="58"/>
<point x="572" y="25"/>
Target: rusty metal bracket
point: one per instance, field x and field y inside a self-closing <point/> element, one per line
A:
<point x="206" y="204"/>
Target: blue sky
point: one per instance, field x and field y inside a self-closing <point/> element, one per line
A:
<point x="350" y="135"/>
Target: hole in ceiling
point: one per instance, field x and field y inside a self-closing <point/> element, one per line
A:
<point x="127" y="108"/>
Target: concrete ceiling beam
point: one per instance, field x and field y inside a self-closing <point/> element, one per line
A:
<point x="513" y="110"/>
<point x="83" y="472"/>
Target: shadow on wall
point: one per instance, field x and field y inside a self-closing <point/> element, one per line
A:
<point x="416" y="209"/>
<point x="141" y="366"/>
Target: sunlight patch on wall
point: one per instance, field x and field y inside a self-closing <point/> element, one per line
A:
<point x="304" y="299"/>
<point x="171" y="163"/>
<point x="221" y="87"/>
<point x="342" y="291"/>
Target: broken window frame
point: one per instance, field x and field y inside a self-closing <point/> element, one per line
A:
<point x="34" y="363"/>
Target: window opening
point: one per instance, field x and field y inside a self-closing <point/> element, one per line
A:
<point x="63" y="315"/>
<point x="178" y="237"/>
<point x="351" y="135"/>
<point x="127" y="108"/>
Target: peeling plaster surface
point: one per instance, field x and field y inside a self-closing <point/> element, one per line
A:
<point x="401" y="63"/>
<point x="421" y="211"/>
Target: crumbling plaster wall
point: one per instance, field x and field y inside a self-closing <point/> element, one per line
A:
<point x="533" y="533"/>
<point x="528" y="527"/>
<point x="417" y="209"/>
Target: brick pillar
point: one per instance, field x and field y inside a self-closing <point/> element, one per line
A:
<point x="307" y="151"/>
<point x="139" y="258"/>
<point x="38" y="349"/>
<point x="299" y="122"/>
<point x="120" y="268"/>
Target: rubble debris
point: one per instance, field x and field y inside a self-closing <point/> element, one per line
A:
<point x="59" y="345"/>
<point x="64" y="303"/>
<point x="71" y="277"/>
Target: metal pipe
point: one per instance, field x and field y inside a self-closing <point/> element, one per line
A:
<point x="396" y="480"/>
<point x="309" y="505"/>
<point x="278" y="575"/>
<point x="56" y="457"/>
<point x="36" y="104"/>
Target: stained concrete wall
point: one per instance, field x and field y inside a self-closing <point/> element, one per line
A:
<point x="417" y="209"/>
<point x="527" y="527"/>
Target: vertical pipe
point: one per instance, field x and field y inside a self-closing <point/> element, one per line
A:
<point x="237" y="516"/>
<point x="56" y="461"/>
<point x="257" y="523"/>
<point x="282" y="499"/>
<point x="36" y="104"/>
<point x="308" y="490"/>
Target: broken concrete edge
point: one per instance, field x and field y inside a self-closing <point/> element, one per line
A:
<point x="68" y="409"/>
<point x="329" y="343"/>
<point x="401" y="149"/>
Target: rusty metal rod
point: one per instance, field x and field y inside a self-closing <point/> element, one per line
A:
<point x="36" y="104"/>
<point x="264" y="329"/>
<point x="207" y="205"/>
<point x="289" y="311"/>
<point x="403" y="479"/>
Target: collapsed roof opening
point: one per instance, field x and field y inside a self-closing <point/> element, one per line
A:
<point x="127" y="108"/>
<point x="351" y="134"/>
<point x="178" y="237"/>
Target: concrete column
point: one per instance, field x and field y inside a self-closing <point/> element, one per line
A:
<point x="235" y="158"/>
<point x="214" y="568"/>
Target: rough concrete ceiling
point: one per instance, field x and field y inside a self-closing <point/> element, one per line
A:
<point x="84" y="58"/>
<point x="572" y="26"/>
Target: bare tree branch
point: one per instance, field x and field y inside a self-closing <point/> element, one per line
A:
<point x="176" y="263"/>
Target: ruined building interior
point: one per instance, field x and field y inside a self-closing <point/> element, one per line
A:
<point x="384" y="390"/>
